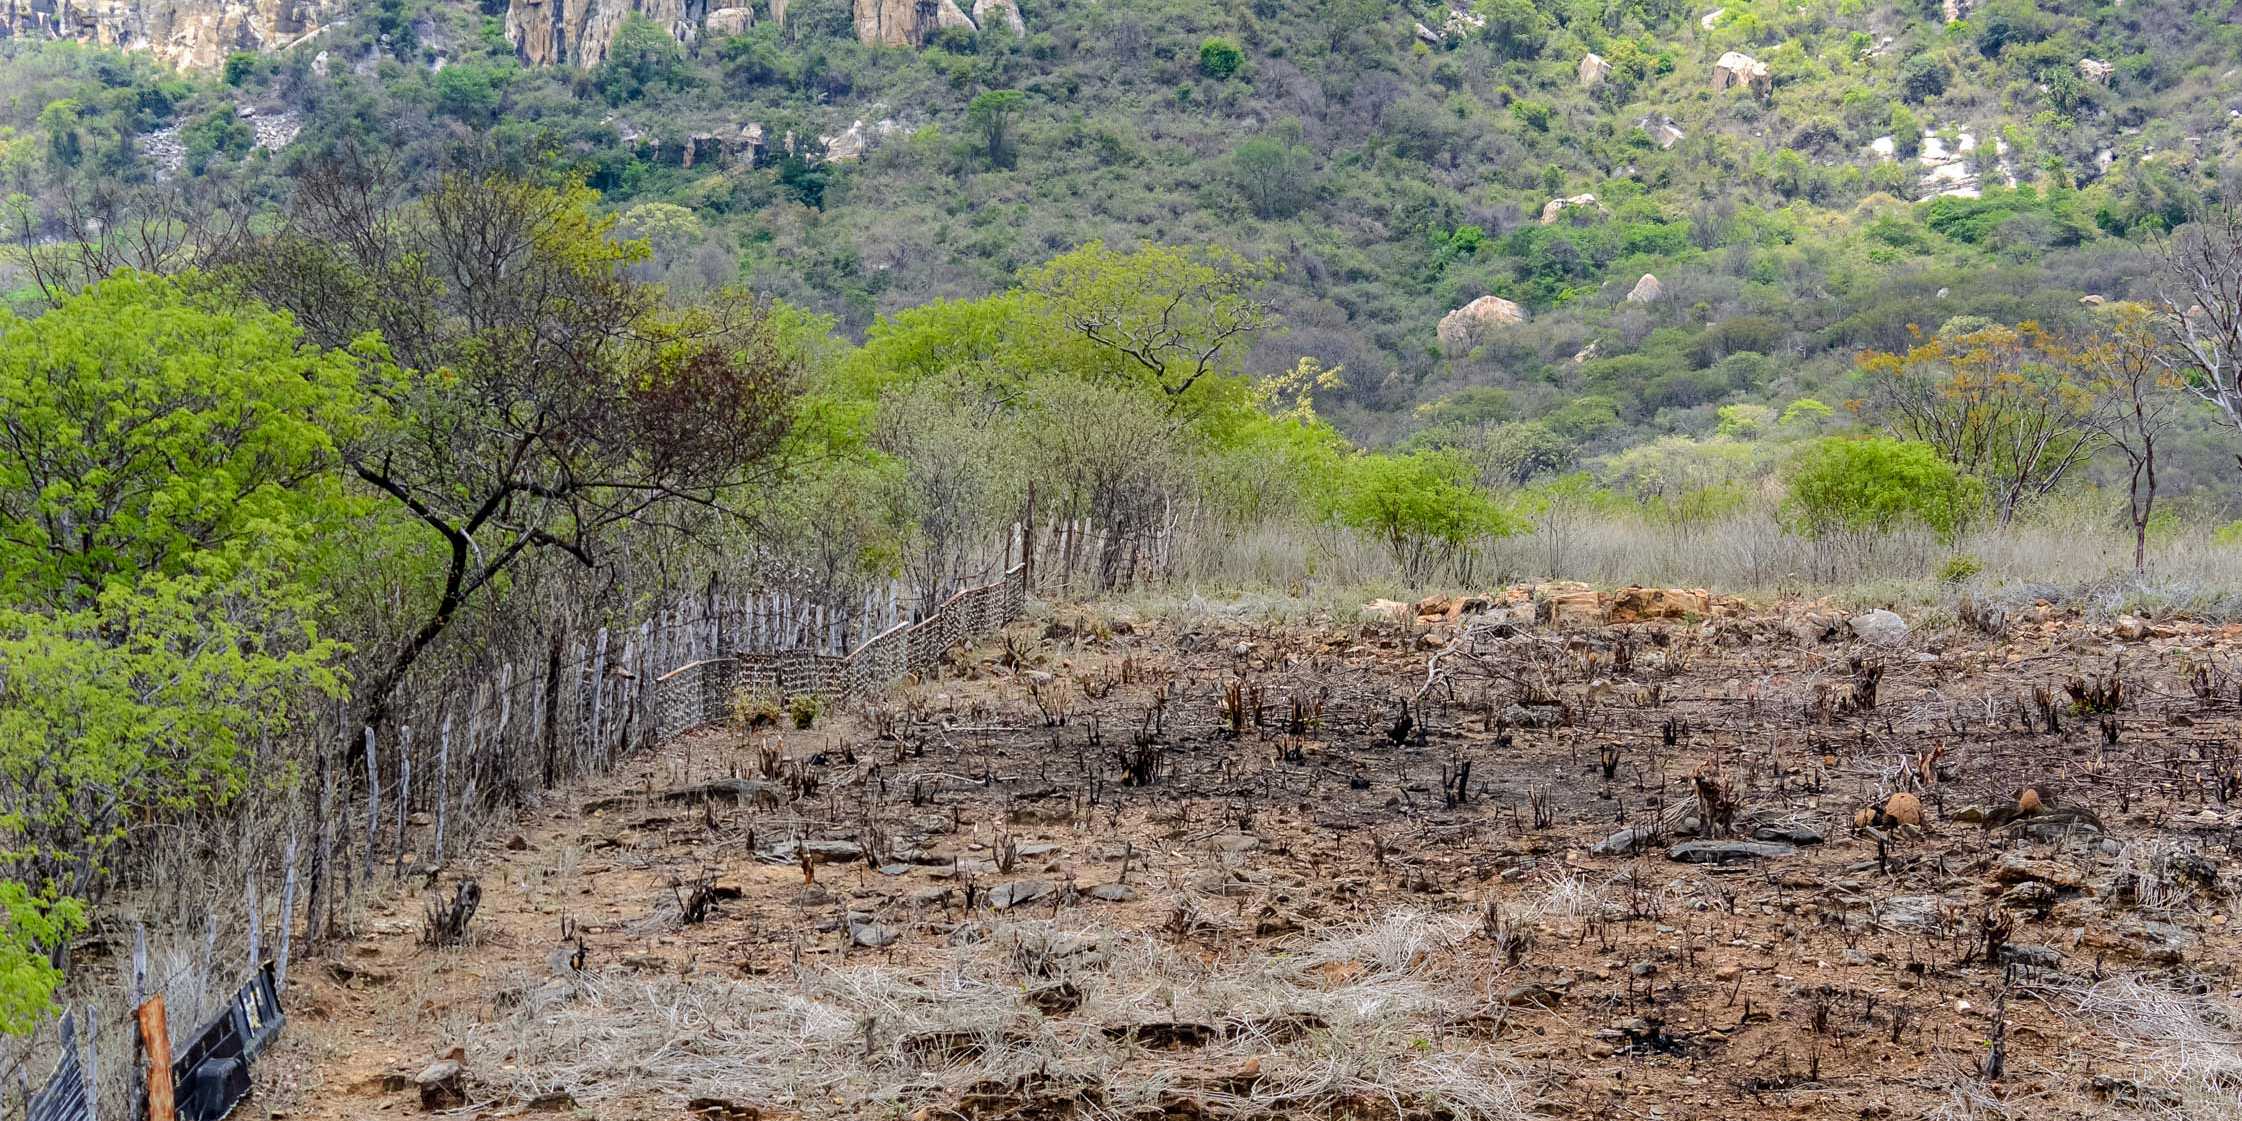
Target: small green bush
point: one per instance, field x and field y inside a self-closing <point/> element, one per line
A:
<point x="805" y="708"/>
<point x="1874" y="484"/>
<point x="755" y="708"/>
<point x="1960" y="568"/>
<point x="1220" y="58"/>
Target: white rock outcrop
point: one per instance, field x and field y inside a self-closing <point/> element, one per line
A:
<point x="1593" y="70"/>
<point x="1552" y="209"/>
<point x="1739" y="69"/>
<point x="722" y="23"/>
<point x="1002" y="11"/>
<point x="1663" y="131"/>
<point x="1646" y="290"/>
<point x="1466" y="327"/>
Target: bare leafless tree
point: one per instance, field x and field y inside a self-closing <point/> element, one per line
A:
<point x="2199" y="305"/>
<point x="76" y="232"/>
<point x="2132" y="375"/>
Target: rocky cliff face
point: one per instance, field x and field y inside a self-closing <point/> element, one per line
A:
<point x="193" y="34"/>
<point x="199" y="34"/>
<point x="579" y="32"/>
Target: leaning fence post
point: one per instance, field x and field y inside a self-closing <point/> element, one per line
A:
<point x="90" y="1074"/>
<point x="256" y="918"/>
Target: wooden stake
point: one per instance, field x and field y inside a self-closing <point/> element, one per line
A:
<point x="155" y="1043"/>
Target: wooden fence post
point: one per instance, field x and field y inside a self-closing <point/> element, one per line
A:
<point x="373" y="803"/>
<point x="599" y="695"/>
<point x="287" y="911"/>
<point x="92" y="1070"/>
<point x="443" y="785"/>
<point x="404" y="796"/>
<point x="256" y="918"/>
<point x="155" y="1043"/>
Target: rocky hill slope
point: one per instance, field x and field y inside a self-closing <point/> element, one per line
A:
<point x="1613" y="217"/>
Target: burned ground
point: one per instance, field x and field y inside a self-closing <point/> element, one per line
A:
<point x="1477" y="866"/>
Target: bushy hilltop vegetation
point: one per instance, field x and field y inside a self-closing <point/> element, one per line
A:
<point x="1393" y="162"/>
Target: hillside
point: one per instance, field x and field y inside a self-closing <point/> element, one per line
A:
<point x="1863" y="168"/>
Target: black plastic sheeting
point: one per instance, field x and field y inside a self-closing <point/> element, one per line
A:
<point x="210" y="1075"/>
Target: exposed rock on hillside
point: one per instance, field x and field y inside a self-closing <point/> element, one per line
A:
<point x="579" y="32"/>
<point x="1464" y="328"/>
<point x="1003" y="11"/>
<point x="1739" y="69"/>
<point x="1593" y="69"/>
<point x="192" y="34"/>
<point x="723" y="22"/>
<point x="1554" y="207"/>
<point x="1663" y="131"/>
<point x="1646" y="290"/>
<point x="894" y="23"/>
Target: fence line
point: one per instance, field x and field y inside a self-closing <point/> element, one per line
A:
<point x="544" y="706"/>
<point x="701" y="692"/>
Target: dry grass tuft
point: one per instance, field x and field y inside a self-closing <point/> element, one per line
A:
<point x="1286" y="1035"/>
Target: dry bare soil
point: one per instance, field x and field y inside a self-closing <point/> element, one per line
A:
<point x="1468" y="867"/>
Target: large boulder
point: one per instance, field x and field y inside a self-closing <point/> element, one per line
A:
<point x="1739" y="69"/>
<point x="1466" y="327"/>
<point x="1593" y="70"/>
<point x="1633" y="605"/>
<point x="1554" y="207"/>
<point x="1879" y="628"/>
<point x="1663" y="131"/>
<point x="849" y="145"/>
<point x="1568" y="605"/>
<point x="722" y="23"/>
<point x="1646" y="290"/>
<point x="950" y="16"/>
<point x="2096" y="71"/>
<point x="1002" y="11"/>
<point x="892" y="23"/>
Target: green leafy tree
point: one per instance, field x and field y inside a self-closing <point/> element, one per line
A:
<point x="1275" y="172"/>
<point x="1174" y="315"/>
<point x="1425" y="507"/>
<point x="470" y="91"/>
<point x="1867" y="485"/>
<point x="63" y="122"/>
<point x="992" y="114"/>
<point x="169" y="493"/>
<point x="1515" y="28"/>
<point x="642" y="59"/>
<point x="542" y="401"/>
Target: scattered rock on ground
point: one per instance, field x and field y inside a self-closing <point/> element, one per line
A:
<point x="1879" y="628"/>
<point x="1724" y="852"/>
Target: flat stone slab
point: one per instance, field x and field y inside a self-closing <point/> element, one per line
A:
<point x="1726" y="852"/>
